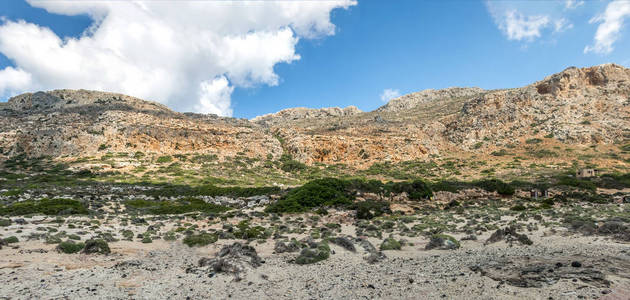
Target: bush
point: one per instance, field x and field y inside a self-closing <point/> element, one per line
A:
<point x="533" y="141"/>
<point x="170" y="236"/>
<point x="416" y="189"/>
<point x="309" y="256"/>
<point x="211" y="190"/>
<point x="70" y="247"/>
<point x="518" y="207"/>
<point x="369" y="209"/>
<point x="246" y="232"/>
<point x="495" y="185"/>
<point x="578" y="183"/>
<point x="319" y="192"/>
<point x="390" y="244"/>
<point x="164" y="159"/>
<point x="179" y="206"/>
<point x="442" y="242"/>
<point x="203" y="239"/>
<point x="5" y="222"/>
<point x="44" y="206"/>
<point x="292" y="166"/>
<point x="11" y="240"/>
<point x="98" y="246"/>
<point x="614" y="181"/>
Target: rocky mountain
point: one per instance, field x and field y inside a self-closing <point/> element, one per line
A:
<point x="575" y="106"/>
<point x="85" y="123"/>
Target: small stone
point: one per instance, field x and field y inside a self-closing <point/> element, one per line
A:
<point x="576" y="264"/>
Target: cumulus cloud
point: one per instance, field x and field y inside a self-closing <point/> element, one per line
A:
<point x="189" y="55"/>
<point x="528" y="21"/>
<point x="389" y="94"/>
<point x="612" y="21"/>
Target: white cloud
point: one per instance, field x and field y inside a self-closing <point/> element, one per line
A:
<point x="561" y="25"/>
<point x="573" y="4"/>
<point x="214" y="96"/>
<point x="187" y="54"/>
<point x="12" y="80"/>
<point x="612" y="21"/>
<point x="389" y="94"/>
<point x="529" y="20"/>
<point x="519" y="27"/>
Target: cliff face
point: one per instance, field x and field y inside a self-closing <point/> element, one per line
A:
<point x="576" y="106"/>
<point x="589" y="105"/>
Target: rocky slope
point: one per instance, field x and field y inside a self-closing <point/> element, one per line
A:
<point x="575" y="106"/>
<point x="589" y="105"/>
<point x="84" y="123"/>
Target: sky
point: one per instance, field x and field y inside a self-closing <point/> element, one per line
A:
<point x="245" y="59"/>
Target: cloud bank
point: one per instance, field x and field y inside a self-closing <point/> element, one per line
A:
<point x="189" y="55"/>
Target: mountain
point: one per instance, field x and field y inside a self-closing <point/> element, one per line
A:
<point x="576" y="106"/>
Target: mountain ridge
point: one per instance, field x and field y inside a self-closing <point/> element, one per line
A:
<point x="578" y="105"/>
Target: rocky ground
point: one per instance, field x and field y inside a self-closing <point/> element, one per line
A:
<point x="485" y="249"/>
<point x="555" y="266"/>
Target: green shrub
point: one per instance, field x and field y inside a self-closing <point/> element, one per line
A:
<point x="202" y="239"/>
<point x="416" y="189"/>
<point x="446" y="240"/>
<point x="501" y="152"/>
<point x="98" y="246"/>
<point x="53" y="239"/>
<point x="44" y="206"/>
<point x="170" y="236"/>
<point x="179" y="206"/>
<point x="245" y="231"/>
<point x="518" y="207"/>
<point x="315" y="193"/>
<point x="164" y="159"/>
<point x="495" y="185"/>
<point x="390" y="244"/>
<point x="70" y="247"/>
<point x="127" y="234"/>
<point x="5" y="222"/>
<point x="578" y="183"/>
<point x="309" y="256"/>
<point x="292" y="166"/>
<point x="211" y="190"/>
<point x="11" y="240"/>
<point x="370" y="208"/>
<point x="533" y="141"/>
<point x="614" y="181"/>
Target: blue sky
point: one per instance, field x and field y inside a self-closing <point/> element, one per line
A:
<point x="404" y="46"/>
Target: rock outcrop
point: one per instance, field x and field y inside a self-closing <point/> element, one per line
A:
<point x="300" y="113"/>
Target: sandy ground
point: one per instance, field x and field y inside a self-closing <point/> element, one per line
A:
<point x="168" y="270"/>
